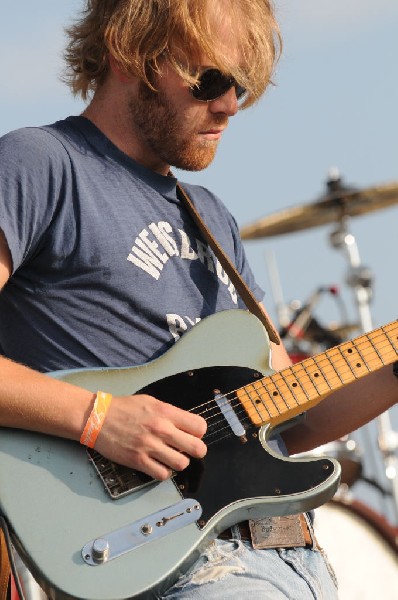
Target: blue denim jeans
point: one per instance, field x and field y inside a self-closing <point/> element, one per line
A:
<point x="232" y="569"/>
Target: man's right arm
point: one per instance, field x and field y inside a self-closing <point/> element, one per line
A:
<point x="139" y="431"/>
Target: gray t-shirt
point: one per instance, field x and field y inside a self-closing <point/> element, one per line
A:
<point x="108" y="268"/>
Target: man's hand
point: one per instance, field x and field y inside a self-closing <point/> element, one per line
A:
<point x="151" y="436"/>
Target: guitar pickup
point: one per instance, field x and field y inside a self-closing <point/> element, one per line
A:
<point x="109" y="546"/>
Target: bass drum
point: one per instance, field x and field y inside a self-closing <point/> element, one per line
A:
<point x="362" y="549"/>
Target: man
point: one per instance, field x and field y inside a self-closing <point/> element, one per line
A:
<point x="100" y="264"/>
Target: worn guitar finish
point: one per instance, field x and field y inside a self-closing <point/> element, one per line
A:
<point x="56" y="503"/>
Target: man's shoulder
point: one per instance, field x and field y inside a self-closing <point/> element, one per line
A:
<point x="208" y="203"/>
<point x="33" y="143"/>
<point x="202" y="195"/>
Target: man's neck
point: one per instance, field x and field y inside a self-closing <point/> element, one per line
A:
<point x="113" y="119"/>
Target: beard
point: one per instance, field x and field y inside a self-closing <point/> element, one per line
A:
<point x="161" y="129"/>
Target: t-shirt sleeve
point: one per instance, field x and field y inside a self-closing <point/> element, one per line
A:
<point x="30" y="174"/>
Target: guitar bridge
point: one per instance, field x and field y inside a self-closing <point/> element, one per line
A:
<point x="118" y="480"/>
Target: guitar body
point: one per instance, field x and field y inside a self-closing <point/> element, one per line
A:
<point x="56" y="503"/>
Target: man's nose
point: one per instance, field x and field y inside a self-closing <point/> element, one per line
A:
<point x="227" y="103"/>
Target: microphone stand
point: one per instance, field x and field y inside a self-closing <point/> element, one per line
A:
<point x="360" y="280"/>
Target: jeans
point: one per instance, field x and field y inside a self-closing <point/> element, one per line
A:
<point x="232" y="569"/>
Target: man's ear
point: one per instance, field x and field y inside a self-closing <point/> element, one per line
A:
<point x="117" y="71"/>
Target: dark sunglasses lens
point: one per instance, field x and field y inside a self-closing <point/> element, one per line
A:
<point x="211" y="85"/>
<point x="240" y="91"/>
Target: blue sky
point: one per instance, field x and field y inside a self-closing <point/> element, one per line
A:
<point x="334" y="105"/>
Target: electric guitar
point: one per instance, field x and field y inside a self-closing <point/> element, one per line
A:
<point x="90" y="529"/>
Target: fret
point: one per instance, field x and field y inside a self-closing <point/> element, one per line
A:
<point x="376" y="351"/>
<point x="317" y="376"/>
<point x="327" y="370"/>
<point x="338" y="360"/>
<point x="354" y="360"/>
<point x="364" y="355"/>
<point x="286" y="393"/>
<point x="292" y="384"/>
<point x="304" y="380"/>
<point x="387" y="343"/>
<point x="371" y="352"/>
<point x="275" y="404"/>
<point x="378" y="346"/>
<point x="391" y="332"/>
<point x="338" y="378"/>
<point x="254" y="405"/>
<point x="295" y="389"/>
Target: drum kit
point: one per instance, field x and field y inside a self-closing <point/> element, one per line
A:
<point x="361" y="542"/>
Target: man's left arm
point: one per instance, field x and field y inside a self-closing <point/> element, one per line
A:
<point x="342" y="411"/>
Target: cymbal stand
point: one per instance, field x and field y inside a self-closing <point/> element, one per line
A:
<point x="359" y="278"/>
<point x="282" y="310"/>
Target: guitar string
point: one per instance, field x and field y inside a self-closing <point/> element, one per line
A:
<point x="213" y="417"/>
<point x="215" y="412"/>
<point x="239" y="409"/>
<point x="261" y="383"/>
<point x="235" y="403"/>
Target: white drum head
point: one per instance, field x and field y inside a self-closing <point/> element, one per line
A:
<point x="365" y="564"/>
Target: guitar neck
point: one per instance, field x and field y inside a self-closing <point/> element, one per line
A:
<point x="283" y="395"/>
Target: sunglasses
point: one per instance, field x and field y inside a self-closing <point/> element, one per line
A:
<point x="213" y="84"/>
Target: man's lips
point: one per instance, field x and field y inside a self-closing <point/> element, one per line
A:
<point x="213" y="133"/>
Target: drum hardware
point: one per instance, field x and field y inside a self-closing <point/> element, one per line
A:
<point x="305" y="326"/>
<point x="361" y="547"/>
<point x="359" y="279"/>
<point x="345" y="330"/>
<point x="388" y="444"/>
<point x="283" y="311"/>
<point x="376" y="485"/>
<point x="335" y="207"/>
<point x="304" y="335"/>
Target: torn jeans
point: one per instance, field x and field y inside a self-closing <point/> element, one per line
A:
<point x="231" y="569"/>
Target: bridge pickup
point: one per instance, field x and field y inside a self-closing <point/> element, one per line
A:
<point x="118" y="480"/>
<point x="152" y="527"/>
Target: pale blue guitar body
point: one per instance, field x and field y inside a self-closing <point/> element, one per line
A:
<point x="56" y="503"/>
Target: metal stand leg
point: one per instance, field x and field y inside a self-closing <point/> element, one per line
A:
<point x="360" y="280"/>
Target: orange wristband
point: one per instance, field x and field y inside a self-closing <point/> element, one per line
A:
<point x="96" y="419"/>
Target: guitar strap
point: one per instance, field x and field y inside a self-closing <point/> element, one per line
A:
<point x="244" y="291"/>
<point x="4" y="567"/>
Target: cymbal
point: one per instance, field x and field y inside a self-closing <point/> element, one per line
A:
<point x="331" y="208"/>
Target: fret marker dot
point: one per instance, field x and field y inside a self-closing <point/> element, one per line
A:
<point x="294" y="384"/>
<point x="274" y="393"/>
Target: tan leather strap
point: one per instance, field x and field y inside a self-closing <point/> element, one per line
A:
<point x="4" y="567"/>
<point x="244" y="291"/>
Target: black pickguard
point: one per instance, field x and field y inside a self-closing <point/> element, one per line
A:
<point x="232" y="470"/>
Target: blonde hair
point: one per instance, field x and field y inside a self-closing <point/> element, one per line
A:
<point x="139" y="33"/>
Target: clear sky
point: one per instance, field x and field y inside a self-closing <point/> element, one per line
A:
<point x="334" y="105"/>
